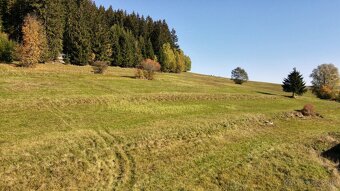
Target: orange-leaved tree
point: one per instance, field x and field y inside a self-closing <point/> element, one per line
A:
<point x="34" y="43"/>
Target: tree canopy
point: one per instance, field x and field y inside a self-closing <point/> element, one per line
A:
<point x="239" y="75"/>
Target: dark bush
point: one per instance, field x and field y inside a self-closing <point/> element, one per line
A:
<point x="99" y="67"/>
<point x="6" y="48"/>
<point x="308" y="110"/>
<point x="147" y="69"/>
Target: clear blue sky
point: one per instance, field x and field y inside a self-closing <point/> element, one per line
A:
<point x="266" y="37"/>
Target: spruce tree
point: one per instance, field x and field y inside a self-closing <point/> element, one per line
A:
<point x="101" y="45"/>
<point x="77" y="34"/>
<point x="294" y="83"/>
<point x="174" y="39"/>
<point x="117" y="41"/>
<point x="52" y="14"/>
<point x="149" y="50"/>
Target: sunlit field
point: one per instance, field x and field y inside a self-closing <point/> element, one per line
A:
<point x="63" y="128"/>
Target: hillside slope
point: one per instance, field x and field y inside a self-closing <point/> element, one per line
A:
<point x="62" y="127"/>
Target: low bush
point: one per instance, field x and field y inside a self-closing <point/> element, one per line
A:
<point x="99" y="67"/>
<point x="308" y="110"/>
<point x="325" y="93"/>
<point x="337" y="98"/>
<point x="147" y="69"/>
<point x="6" y="48"/>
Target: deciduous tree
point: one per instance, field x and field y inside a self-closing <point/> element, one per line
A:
<point x="34" y="41"/>
<point x="239" y="75"/>
<point x="325" y="75"/>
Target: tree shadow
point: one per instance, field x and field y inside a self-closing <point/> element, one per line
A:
<point x="265" y="93"/>
<point x="332" y="154"/>
<point x="131" y="77"/>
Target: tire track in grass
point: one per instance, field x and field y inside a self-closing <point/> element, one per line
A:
<point x="125" y="178"/>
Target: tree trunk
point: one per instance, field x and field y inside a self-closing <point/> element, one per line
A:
<point x="293" y="96"/>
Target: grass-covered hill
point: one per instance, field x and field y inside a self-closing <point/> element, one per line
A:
<point x="65" y="128"/>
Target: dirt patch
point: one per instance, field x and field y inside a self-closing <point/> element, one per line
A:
<point x="299" y="115"/>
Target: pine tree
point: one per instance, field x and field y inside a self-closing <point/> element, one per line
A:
<point x="101" y="45"/>
<point x="142" y="46"/>
<point x="174" y="39"/>
<point x="77" y="33"/>
<point x="294" y="83"/>
<point x="117" y="41"/>
<point x="149" y="50"/>
<point x="52" y="14"/>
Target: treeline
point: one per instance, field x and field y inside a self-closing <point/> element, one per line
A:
<point x="86" y="33"/>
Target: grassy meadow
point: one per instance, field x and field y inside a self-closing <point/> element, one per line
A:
<point x="64" y="128"/>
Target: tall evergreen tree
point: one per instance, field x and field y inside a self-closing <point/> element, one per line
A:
<point x="294" y="83"/>
<point x="101" y="45"/>
<point x="77" y="34"/>
<point x="149" y="50"/>
<point x="174" y="39"/>
<point x="52" y="14"/>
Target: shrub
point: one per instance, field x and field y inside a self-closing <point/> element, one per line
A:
<point x="140" y="73"/>
<point x="308" y="110"/>
<point x="6" y="48"/>
<point x="337" y="98"/>
<point x="326" y="92"/>
<point x="147" y="69"/>
<point x="99" y="67"/>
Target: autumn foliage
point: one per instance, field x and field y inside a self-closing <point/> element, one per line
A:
<point x="34" y="42"/>
<point x="147" y="69"/>
<point x="308" y="110"/>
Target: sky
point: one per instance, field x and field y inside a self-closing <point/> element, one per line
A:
<point x="268" y="38"/>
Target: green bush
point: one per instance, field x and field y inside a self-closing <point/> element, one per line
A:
<point x="338" y="96"/>
<point x="99" y="67"/>
<point x="6" y="48"/>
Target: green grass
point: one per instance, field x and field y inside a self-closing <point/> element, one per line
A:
<point x="64" y="128"/>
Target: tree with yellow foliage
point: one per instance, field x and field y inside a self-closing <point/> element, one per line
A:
<point x="34" y="44"/>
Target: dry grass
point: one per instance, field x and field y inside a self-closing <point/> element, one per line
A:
<point x="64" y="128"/>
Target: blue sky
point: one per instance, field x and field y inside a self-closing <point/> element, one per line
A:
<point x="266" y="37"/>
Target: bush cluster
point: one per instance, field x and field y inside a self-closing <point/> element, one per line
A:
<point x="147" y="69"/>
<point x="99" y="67"/>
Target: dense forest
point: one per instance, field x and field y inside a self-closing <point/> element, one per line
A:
<point x="86" y="33"/>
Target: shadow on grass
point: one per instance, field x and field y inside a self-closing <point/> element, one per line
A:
<point x="131" y="77"/>
<point x="265" y="93"/>
<point x="332" y="154"/>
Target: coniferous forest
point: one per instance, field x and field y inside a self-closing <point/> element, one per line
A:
<point x="85" y="33"/>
